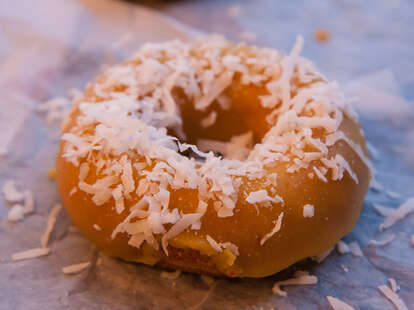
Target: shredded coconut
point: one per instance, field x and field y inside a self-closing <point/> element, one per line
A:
<point x="393" y="195"/>
<point x="382" y="242"/>
<point x="11" y="193"/>
<point x="209" y="120"/>
<point x="261" y="196"/>
<point x="29" y="254"/>
<point x="355" y="249"/>
<point x="376" y="186"/>
<point x="76" y="268"/>
<point x="342" y="247"/>
<point x="275" y="229"/>
<point x="16" y="213"/>
<point x="220" y="246"/>
<point x="28" y="202"/>
<point x="55" y="109"/>
<point x="398" y="214"/>
<point x="382" y="210"/>
<point x="97" y="227"/>
<point x="44" y="240"/>
<point x="373" y="151"/>
<point x="339" y="304"/>
<point x="393" y="297"/>
<point x="300" y="278"/>
<point x="308" y="210"/>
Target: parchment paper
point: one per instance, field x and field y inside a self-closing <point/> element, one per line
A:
<point x="50" y="46"/>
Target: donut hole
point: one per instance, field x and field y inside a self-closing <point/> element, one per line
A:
<point x="230" y="126"/>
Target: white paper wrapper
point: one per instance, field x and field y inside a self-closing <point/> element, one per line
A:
<point x="51" y="46"/>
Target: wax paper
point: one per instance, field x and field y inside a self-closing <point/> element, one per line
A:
<point x="51" y="46"/>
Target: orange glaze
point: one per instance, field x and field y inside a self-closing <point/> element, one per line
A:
<point x="337" y="203"/>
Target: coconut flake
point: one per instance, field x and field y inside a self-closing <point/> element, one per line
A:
<point x="16" y="213"/>
<point x="393" y="195"/>
<point x="401" y="212"/>
<point x="274" y="230"/>
<point x="342" y="247"/>
<point x="28" y="202"/>
<point x="382" y="210"/>
<point x="308" y="210"/>
<point x="183" y="223"/>
<point x="338" y="304"/>
<point x="300" y="278"/>
<point x="380" y="243"/>
<point x="220" y="246"/>
<point x="76" y="268"/>
<point x="355" y="249"/>
<point x="392" y="297"/>
<point x="73" y="191"/>
<point x="10" y="192"/>
<point x="320" y="175"/>
<point x="209" y="120"/>
<point x="29" y="254"/>
<point x="51" y="221"/>
<point x="261" y="196"/>
<point x="373" y="151"/>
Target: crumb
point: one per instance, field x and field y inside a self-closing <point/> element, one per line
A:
<point x="51" y="173"/>
<point x="322" y="35"/>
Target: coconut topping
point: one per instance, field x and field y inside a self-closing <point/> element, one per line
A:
<point x="338" y="304"/>
<point x="127" y="115"/>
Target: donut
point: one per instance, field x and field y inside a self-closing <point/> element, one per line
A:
<point x="213" y="157"/>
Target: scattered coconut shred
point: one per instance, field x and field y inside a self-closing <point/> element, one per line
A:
<point x="382" y="242"/>
<point x="338" y="304"/>
<point x="342" y="247"/>
<point x="308" y="211"/>
<point x="76" y="268"/>
<point x="13" y="195"/>
<point x="51" y="221"/>
<point x="132" y="138"/>
<point x="398" y="214"/>
<point x="300" y="278"/>
<point x="392" y="297"/>
<point x="355" y="249"/>
<point x="29" y="254"/>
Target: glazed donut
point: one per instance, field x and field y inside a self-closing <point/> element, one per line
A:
<point x="213" y="157"/>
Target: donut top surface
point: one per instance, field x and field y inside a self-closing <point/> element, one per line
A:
<point x="167" y="119"/>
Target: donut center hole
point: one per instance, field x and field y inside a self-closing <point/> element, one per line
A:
<point x="230" y="126"/>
